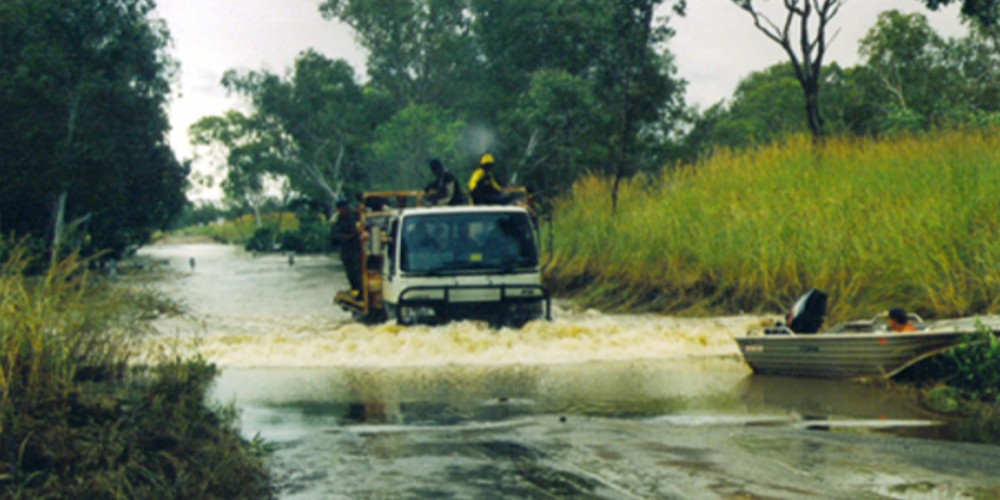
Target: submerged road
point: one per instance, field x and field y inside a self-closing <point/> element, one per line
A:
<point x="589" y="405"/>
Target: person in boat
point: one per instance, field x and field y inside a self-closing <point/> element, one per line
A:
<point x="483" y="186"/>
<point x="445" y="189"/>
<point x="347" y="235"/>
<point x="899" y="321"/>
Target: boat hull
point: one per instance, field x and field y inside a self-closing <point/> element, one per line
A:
<point x="870" y="355"/>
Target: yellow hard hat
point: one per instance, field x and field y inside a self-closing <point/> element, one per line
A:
<point x="487" y="158"/>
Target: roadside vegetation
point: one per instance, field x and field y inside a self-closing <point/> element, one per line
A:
<point x="905" y="222"/>
<point x="279" y="231"/>
<point x="78" y="419"/>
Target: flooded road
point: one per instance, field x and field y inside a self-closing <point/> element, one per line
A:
<point x="589" y="405"/>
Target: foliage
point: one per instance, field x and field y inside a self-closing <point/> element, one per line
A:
<point x="84" y="84"/>
<point x="77" y="422"/>
<point x="263" y="240"/>
<point x="199" y="214"/>
<point x="402" y="146"/>
<point x="977" y="366"/>
<point x="313" y="235"/>
<point x="984" y="12"/>
<point x="302" y="233"/>
<point x="444" y="79"/>
<point x="767" y="106"/>
<point x="907" y="222"/>
<point x="803" y="37"/>
<point x="910" y="80"/>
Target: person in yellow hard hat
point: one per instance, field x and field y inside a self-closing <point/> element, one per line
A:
<point x="483" y="186"/>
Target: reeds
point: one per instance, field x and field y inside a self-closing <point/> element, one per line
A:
<point x="77" y="421"/>
<point x="58" y="327"/>
<point x="910" y="221"/>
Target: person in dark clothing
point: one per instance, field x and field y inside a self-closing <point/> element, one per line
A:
<point x="444" y="190"/>
<point x="483" y="186"/>
<point x="345" y="232"/>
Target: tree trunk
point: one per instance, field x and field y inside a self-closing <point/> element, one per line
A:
<point x="811" y="89"/>
<point x="57" y="228"/>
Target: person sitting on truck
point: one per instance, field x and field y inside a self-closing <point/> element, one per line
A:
<point x="899" y="321"/>
<point x="483" y="186"/>
<point x="347" y="235"/>
<point x="445" y="189"/>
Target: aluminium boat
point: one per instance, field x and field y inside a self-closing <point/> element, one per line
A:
<point x="856" y="349"/>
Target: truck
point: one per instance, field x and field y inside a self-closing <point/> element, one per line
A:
<point x="432" y="265"/>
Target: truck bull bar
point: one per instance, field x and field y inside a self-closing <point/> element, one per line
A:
<point x="444" y="305"/>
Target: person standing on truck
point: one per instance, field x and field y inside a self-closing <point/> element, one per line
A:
<point x="483" y="186"/>
<point x="445" y="189"/>
<point x="345" y="232"/>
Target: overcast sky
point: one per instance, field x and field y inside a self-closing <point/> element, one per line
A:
<point x="715" y="46"/>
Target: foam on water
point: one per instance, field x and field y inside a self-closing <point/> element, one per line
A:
<point x="262" y="312"/>
<point x="247" y="342"/>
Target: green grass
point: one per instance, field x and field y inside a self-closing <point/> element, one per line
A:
<point x="910" y="222"/>
<point x="78" y="420"/>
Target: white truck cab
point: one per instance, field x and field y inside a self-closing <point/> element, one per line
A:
<point x="434" y="265"/>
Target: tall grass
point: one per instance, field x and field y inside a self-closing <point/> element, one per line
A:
<point x="911" y="222"/>
<point x="55" y="328"/>
<point x="76" y="421"/>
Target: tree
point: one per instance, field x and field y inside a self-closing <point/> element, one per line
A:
<point x="82" y="144"/>
<point x="402" y="146"/>
<point x="911" y="79"/>
<point x="252" y="155"/>
<point x="986" y="13"/>
<point x="766" y="107"/>
<point x="419" y="51"/>
<point x="310" y="128"/>
<point x="560" y="125"/>
<point x="636" y="81"/>
<point x="806" y="20"/>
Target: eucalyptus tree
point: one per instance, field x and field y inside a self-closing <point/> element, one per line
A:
<point x="83" y="84"/>
<point x="588" y="80"/>
<point x="803" y="36"/>
<point x="913" y="79"/>
<point x="493" y="65"/>
<point x="419" y="51"/>
<point x="310" y="128"/>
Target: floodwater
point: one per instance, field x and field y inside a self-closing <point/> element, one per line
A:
<point x="588" y="405"/>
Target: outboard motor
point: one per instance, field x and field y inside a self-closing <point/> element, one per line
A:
<point x="807" y="314"/>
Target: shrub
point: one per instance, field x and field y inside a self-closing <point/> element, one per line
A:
<point x="77" y="422"/>
<point x="976" y="364"/>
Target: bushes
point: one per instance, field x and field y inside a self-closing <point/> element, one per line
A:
<point x="976" y="363"/>
<point x="303" y="233"/>
<point x="77" y="422"/>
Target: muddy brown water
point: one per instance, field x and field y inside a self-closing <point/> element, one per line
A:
<point x="589" y="405"/>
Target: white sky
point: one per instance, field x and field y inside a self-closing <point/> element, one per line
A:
<point x="715" y="46"/>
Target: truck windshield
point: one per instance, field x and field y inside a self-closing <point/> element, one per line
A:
<point x="456" y="243"/>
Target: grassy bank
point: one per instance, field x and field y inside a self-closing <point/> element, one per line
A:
<point x="77" y="420"/>
<point x="910" y="222"/>
<point x="283" y="231"/>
